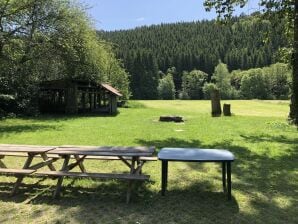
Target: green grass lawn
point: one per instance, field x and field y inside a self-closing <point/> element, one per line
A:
<point x="264" y="175"/>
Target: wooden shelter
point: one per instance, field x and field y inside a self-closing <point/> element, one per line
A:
<point x="76" y="96"/>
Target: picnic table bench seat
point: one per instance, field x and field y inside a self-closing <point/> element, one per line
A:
<point x="119" y="176"/>
<point x="7" y="171"/>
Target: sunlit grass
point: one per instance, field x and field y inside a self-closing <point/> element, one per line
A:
<point x="265" y="174"/>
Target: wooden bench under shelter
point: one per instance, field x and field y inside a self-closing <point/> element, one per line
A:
<point x="133" y="157"/>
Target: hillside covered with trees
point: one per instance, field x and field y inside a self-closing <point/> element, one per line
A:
<point x="150" y="53"/>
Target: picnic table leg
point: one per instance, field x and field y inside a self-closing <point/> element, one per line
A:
<point x="81" y="165"/>
<point x="138" y="163"/>
<point x="229" y="181"/>
<point x="45" y="157"/>
<point x="164" y="176"/>
<point x="21" y="177"/>
<point x="2" y="165"/>
<point x="224" y="176"/>
<point x="130" y="182"/>
<point x="60" y="180"/>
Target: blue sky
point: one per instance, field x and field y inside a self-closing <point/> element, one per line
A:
<point x="127" y="14"/>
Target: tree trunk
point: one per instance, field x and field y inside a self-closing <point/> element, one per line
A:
<point x="227" y="109"/>
<point x="215" y="104"/>
<point x="294" y="98"/>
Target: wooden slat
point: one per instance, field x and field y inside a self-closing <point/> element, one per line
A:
<point x="17" y="154"/>
<point x="109" y="149"/>
<point x="144" y="158"/>
<point x="25" y="148"/>
<point x="43" y="163"/>
<point x="94" y="153"/>
<point x="93" y="175"/>
<point x="16" y="171"/>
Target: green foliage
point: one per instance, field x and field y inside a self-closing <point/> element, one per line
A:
<point x="208" y="88"/>
<point x="166" y="88"/>
<point x="46" y="40"/>
<point x="254" y="85"/>
<point x="222" y="78"/>
<point x="279" y="76"/>
<point x="192" y="84"/>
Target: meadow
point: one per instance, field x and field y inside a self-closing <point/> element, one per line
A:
<point x="264" y="174"/>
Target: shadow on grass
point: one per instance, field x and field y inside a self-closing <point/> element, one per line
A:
<point x="105" y="202"/>
<point x="18" y="128"/>
<point x="264" y="189"/>
<point x="266" y="179"/>
<point x="66" y="117"/>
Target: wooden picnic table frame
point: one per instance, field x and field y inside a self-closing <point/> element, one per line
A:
<point x="130" y="156"/>
<point x="133" y="157"/>
<point x="32" y="152"/>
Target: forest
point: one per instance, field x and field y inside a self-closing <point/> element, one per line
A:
<point x="157" y="55"/>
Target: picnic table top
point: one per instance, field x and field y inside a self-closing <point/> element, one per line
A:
<point x="104" y="150"/>
<point x="195" y="154"/>
<point x="25" y="148"/>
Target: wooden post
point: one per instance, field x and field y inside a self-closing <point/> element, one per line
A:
<point x="90" y="101"/>
<point x="84" y="101"/>
<point x="95" y="100"/>
<point x="215" y="104"/>
<point x="227" y="109"/>
<point x="99" y="100"/>
<point x="71" y="104"/>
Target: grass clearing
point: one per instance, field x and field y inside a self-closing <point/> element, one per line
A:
<point x="265" y="174"/>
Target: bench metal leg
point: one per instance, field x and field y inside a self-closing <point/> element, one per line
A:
<point x="164" y="176"/>
<point x="224" y="176"/>
<point x="60" y="179"/>
<point x="229" y="180"/>
<point x="21" y="177"/>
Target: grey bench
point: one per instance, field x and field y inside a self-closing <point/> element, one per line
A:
<point x="197" y="155"/>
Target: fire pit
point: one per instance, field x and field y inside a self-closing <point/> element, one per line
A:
<point x="171" y="118"/>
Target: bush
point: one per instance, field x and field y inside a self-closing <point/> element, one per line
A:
<point x="192" y="84"/>
<point x="7" y="103"/>
<point x="183" y="95"/>
<point x="166" y="88"/>
<point x="254" y="85"/>
<point x="208" y="88"/>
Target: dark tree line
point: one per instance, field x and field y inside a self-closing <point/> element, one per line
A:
<point x="197" y="45"/>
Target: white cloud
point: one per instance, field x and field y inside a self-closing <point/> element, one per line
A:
<point x="140" y="19"/>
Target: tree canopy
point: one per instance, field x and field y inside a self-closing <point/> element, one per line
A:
<point x="51" y="39"/>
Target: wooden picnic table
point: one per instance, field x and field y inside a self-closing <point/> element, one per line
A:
<point x="32" y="151"/>
<point x="133" y="157"/>
<point x="130" y="156"/>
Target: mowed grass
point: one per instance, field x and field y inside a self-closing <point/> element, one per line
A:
<point x="264" y="175"/>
